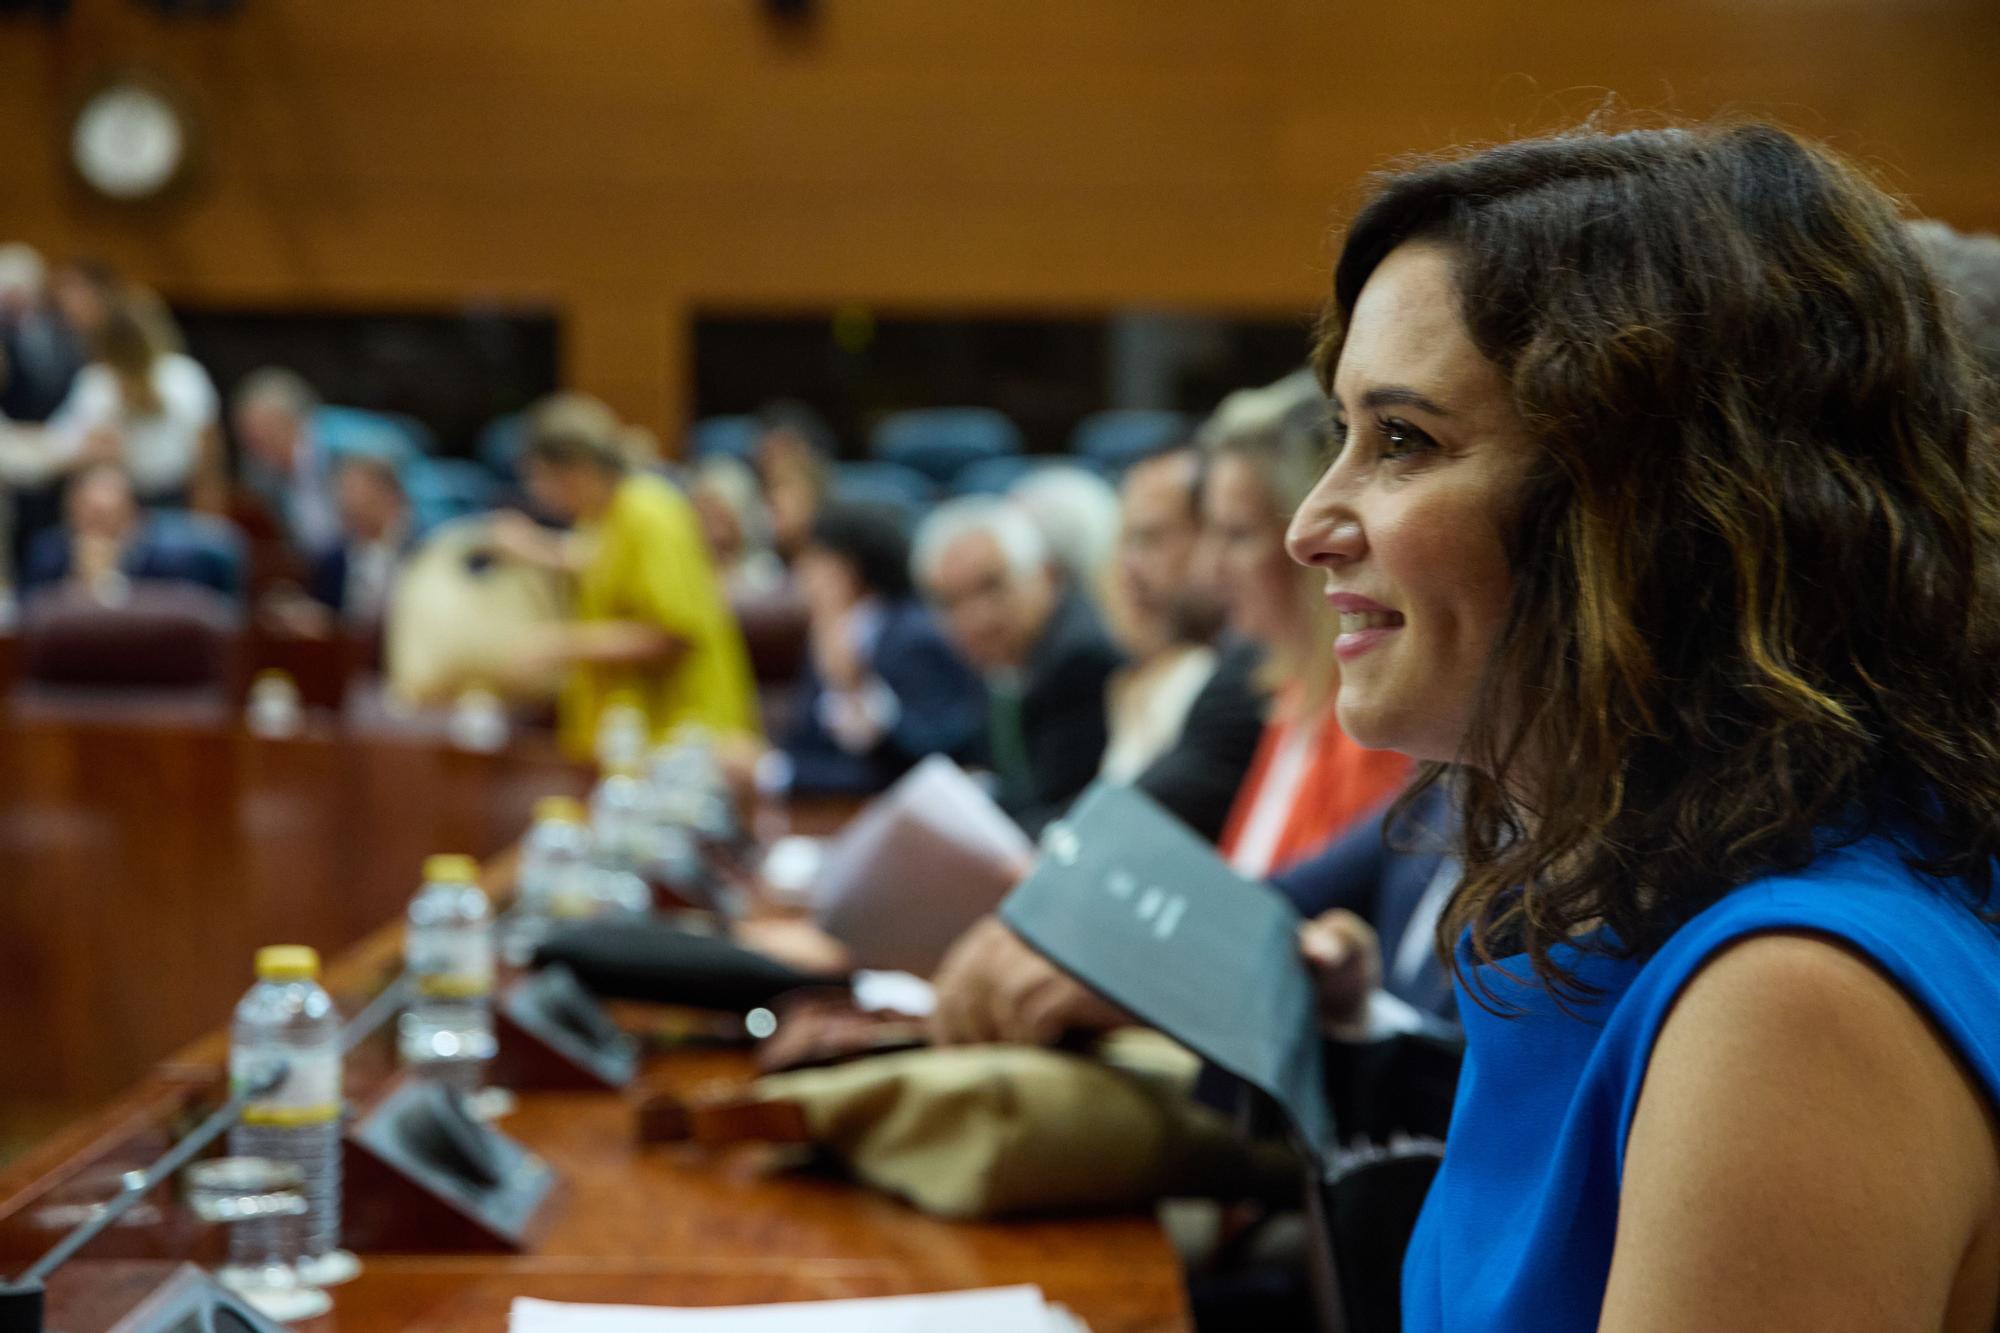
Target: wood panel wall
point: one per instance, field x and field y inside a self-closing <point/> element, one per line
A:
<point x="629" y="161"/>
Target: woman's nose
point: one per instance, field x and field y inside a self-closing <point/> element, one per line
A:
<point x="1324" y="531"/>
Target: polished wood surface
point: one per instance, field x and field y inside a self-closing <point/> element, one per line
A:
<point x="628" y="164"/>
<point x="670" y="1225"/>
<point x="144" y="863"/>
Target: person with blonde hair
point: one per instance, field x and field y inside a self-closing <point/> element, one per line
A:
<point x="1309" y="781"/>
<point x="650" y="622"/>
<point x="143" y="403"/>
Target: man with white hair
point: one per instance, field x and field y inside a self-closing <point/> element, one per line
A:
<point x="1039" y="646"/>
<point x="1077" y="513"/>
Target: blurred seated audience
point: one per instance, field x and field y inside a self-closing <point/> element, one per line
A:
<point x="1265" y="448"/>
<point x="143" y="403"/>
<point x="1197" y="775"/>
<point x="1038" y="645"/>
<point x="883" y="688"/>
<point x="737" y="525"/>
<point x="1309" y="783"/>
<point x="283" y="462"/>
<point x="650" y="621"/>
<point x="350" y="583"/>
<point x="793" y="457"/>
<point x="1162" y="617"/>
<point x="1077" y="513"/>
<point x="106" y="541"/>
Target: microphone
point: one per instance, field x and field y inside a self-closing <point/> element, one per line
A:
<point x="22" y="1300"/>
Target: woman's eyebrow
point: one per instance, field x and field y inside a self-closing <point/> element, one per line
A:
<point x="1397" y="396"/>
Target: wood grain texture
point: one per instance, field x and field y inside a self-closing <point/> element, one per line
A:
<point x="666" y="1225"/>
<point x="145" y="864"/>
<point x="631" y="163"/>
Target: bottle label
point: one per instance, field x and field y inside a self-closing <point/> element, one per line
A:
<point x="457" y="966"/>
<point x="572" y="897"/>
<point x="309" y="1094"/>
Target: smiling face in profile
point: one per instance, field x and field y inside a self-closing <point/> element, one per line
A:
<point x="1409" y="520"/>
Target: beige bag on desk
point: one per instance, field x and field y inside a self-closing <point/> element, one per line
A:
<point x="456" y="620"/>
<point x="995" y="1131"/>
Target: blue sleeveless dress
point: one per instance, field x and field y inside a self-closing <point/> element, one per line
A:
<point x="1516" y="1234"/>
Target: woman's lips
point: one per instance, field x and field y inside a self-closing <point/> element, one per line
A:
<point x="1363" y="625"/>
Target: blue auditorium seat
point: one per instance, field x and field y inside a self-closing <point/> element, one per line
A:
<point x="994" y="476"/>
<point x="448" y="488"/>
<point x="942" y="441"/>
<point x="729" y="436"/>
<point x="883" y="482"/>
<point x="500" y="444"/>
<point x="1112" y="441"/>
<point x="340" y="429"/>
<point x="215" y="546"/>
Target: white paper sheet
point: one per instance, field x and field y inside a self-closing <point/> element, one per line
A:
<point x="992" y="1310"/>
<point x="925" y="860"/>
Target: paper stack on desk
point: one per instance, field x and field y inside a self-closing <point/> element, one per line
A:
<point x="993" y="1310"/>
<point x="925" y="860"/>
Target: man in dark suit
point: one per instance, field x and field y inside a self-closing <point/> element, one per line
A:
<point x="1380" y="889"/>
<point x="882" y="688"/>
<point x="354" y="577"/>
<point x="1040" y="648"/>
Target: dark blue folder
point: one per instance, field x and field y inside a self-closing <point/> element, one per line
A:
<point x="1132" y="904"/>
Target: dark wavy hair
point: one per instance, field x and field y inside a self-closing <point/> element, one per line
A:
<point x="1753" y="612"/>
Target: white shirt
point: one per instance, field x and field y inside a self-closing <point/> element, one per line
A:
<point x="1147" y="705"/>
<point x="1264" y="827"/>
<point x="371" y="572"/>
<point x="161" y="446"/>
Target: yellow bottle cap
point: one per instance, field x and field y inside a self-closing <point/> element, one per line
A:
<point x="287" y="962"/>
<point x="453" y="869"/>
<point x="559" y="810"/>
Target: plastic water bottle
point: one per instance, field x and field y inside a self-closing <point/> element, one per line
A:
<point x="289" y="1016"/>
<point x="554" y="882"/>
<point x="446" y="1033"/>
<point x="478" y="721"/>
<point x="623" y="736"/>
<point x="621" y="835"/>
<point x="274" y="710"/>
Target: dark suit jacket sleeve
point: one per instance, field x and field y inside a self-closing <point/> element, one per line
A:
<point x="942" y="705"/>
<point x="47" y="559"/>
<point x="1196" y="779"/>
<point x="1347" y="873"/>
<point x="327" y="582"/>
<point x="818" y="762"/>
<point x="1066" y="730"/>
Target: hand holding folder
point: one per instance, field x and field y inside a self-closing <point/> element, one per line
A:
<point x="1135" y="906"/>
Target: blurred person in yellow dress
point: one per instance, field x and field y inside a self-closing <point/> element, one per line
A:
<point x="650" y="620"/>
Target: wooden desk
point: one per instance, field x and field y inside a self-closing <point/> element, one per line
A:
<point x="652" y="1225"/>
<point x="144" y="863"/>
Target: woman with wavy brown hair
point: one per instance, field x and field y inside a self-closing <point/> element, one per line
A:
<point x="1662" y="521"/>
